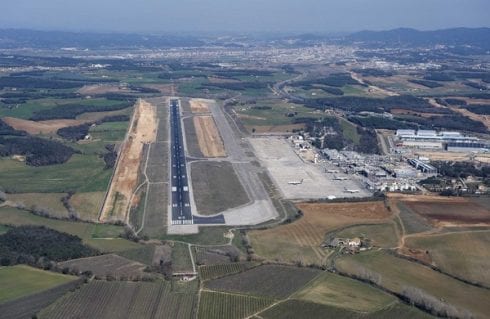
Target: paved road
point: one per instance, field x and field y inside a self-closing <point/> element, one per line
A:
<point x="181" y="208"/>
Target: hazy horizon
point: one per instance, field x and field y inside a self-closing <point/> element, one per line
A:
<point x="272" y="16"/>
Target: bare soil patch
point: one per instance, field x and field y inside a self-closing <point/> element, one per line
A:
<point x="485" y="119"/>
<point x="199" y="105"/>
<point x="41" y="127"/>
<point x="208" y="137"/>
<point x="450" y="212"/>
<point x="102" y="89"/>
<point x="142" y="130"/>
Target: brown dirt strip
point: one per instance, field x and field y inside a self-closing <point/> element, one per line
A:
<point x="208" y="137"/>
<point x="485" y="119"/>
<point x="41" y="127"/>
<point x="142" y="130"/>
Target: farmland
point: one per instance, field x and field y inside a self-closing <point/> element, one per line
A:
<point x="300" y="241"/>
<point x="267" y="280"/>
<point x="338" y="291"/>
<point x="221" y="270"/>
<point x="101" y="299"/>
<point x="397" y="274"/>
<point x="92" y="234"/>
<point x="181" y="258"/>
<point x="208" y="137"/>
<point x="216" y="187"/>
<point x="112" y="266"/>
<point x="50" y="202"/>
<point x="381" y="235"/>
<point x="19" y="281"/>
<point x="217" y="305"/>
<point x="464" y="254"/>
<point x="292" y="309"/>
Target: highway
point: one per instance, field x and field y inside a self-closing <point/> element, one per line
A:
<point x="181" y="207"/>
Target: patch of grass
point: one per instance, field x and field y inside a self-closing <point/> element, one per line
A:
<point x="397" y="274"/>
<point x="88" y="205"/>
<point x="50" y="203"/>
<point x="19" y="281"/>
<point x="206" y="236"/>
<point x="349" y="131"/>
<point x="3" y="229"/>
<point x="465" y="255"/>
<point x="181" y="258"/>
<point x="110" y="132"/>
<point x="82" y="173"/>
<point x="192" y="144"/>
<point x="382" y="235"/>
<point x="216" y="187"/>
<point x="91" y="234"/>
<point x="338" y="291"/>
<point x="292" y="309"/>
<point x="143" y="254"/>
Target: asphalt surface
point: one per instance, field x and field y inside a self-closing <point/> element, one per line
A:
<point x="181" y="207"/>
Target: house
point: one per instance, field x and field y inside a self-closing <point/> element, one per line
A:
<point x="354" y="242"/>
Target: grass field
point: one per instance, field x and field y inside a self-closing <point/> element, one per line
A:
<point x="300" y="241"/>
<point x="110" y="132"/>
<point x="465" y="255"/>
<point x="216" y="305"/>
<point x="206" y="236"/>
<point x="381" y="235"/>
<point x="292" y="309"/>
<point x="88" y="205"/>
<point x="267" y="280"/>
<point x="398" y="274"/>
<point x="99" y="236"/>
<point x="119" y="299"/>
<point x="338" y="291"/>
<point x="82" y="173"/>
<point x="50" y="202"/>
<point x="191" y="139"/>
<point x="216" y="187"/>
<point x="349" y="131"/>
<point x="19" y="281"/>
<point x="143" y="254"/>
<point x="181" y="258"/>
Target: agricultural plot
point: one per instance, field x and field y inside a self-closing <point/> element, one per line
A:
<point x="450" y="212"/>
<point x="28" y="306"/>
<point x="181" y="258"/>
<point x="101" y="299"/>
<point x="102" y="237"/>
<point x="268" y="280"/>
<point x="338" y="291"/>
<point x="216" y="271"/>
<point x="300" y="241"/>
<point x="207" y="257"/>
<point x="465" y="255"/>
<point x="216" y="305"/>
<point x="208" y="137"/>
<point x="397" y="274"/>
<point x="216" y="187"/>
<point x="381" y="235"/>
<point x="107" y="266"/>
<point x="292" y="309"/>
<point x="87" y="205"/>
<point x="46" y="202"/>
<point x="144" y="254"/>
<point x="412" y="223"/>
<point x="20" y="281"/>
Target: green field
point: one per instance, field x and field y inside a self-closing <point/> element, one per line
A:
<point x="349" y="131"/>
<point x="100" y="236"/>
<point x="82" y="173"/>
<point x="181" y="258"/>
<point x="216" y="305"/>
<point x="143" y="254"/>
<point x="206" y="236"/>
<point x="397" y="274"/>
<point x="109" y="132"/>
<point x="50" y="202"/>
<point x="338" y="291"/>
<point x="293" y="309"/>
<point x="216" y="187"/>
<point x="465" y="255"/>
<point x="26" y="110"/>
<point x="382" y="235"/>
<point x="19" y="281"/>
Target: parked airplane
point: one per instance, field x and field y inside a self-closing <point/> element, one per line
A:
<point x="352" y="191"/>
<point x="295" y="182"/>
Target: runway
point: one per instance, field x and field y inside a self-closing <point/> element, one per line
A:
<point x="180" y="199"/>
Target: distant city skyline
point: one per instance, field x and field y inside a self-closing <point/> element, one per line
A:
<point x="242" y="15"/>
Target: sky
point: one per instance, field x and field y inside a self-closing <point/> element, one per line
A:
<point x="321" y="16"/>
